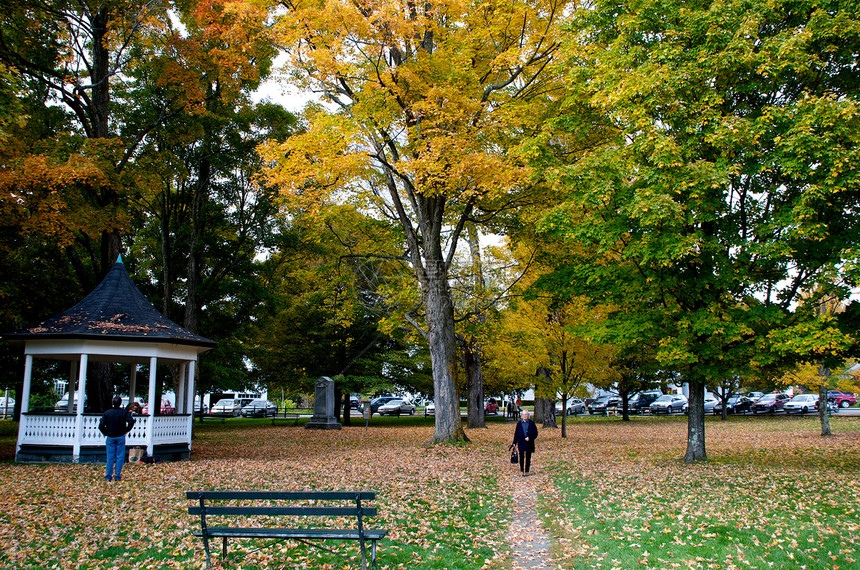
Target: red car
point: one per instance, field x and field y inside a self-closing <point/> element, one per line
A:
<point x="769" y="403"/>
<point x="841" y="399"/>
<point x="166" y="408"/>
<point x="491" y="407"/>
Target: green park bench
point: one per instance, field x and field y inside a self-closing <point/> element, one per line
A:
<point x="245" y="504"/>
<point x="285" y="415"/>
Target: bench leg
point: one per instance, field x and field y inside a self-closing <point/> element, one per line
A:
<point x="206" y="548"/>
<point x="373" y="554"/>
<point x="224" y="550"/>
<point x="363" y="553"/>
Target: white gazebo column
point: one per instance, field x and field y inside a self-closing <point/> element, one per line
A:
<point x="181" y="384"/>
<point x="132" y="383"/>
<point x="72" y="387"/>
<point x="25" y="399"/>
<point x="79" y="419"/>
<point x="153" y="363"/>
<point x="192" y="372"/>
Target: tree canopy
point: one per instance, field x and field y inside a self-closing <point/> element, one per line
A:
<point x="427" y="104"/>
<point x="731" y="185"/>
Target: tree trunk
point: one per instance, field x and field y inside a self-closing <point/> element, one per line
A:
<point x="166" y="251"/>
<point x="625" y="404"/>
<point x="564" y="416"/>
<point x="537" y="416"/>
<point x="696" y="423"/>
<point x="549" y="414"/>
<point x="823" y="414"/>
<point x="475" y="382"/>
<point x="545" y="408"/>
<point x="194" y="273"/>
<point x="439" y="312"/>
<point x="338" y="402"/>
<point x="471" y="347"/>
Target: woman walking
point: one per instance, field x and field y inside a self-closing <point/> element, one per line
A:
<point x="524" y="438"/>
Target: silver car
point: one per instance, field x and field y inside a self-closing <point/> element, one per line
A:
<point x="260" y="408"/>
<point x="396" y="407"/>
<point x="7" y="405"/>
<point x="227" y="407"/>
<point x="574" y="406"/>
<point x="801" y="404"/>
<point x="668" y="403"/>
<point x="710" y="402"/>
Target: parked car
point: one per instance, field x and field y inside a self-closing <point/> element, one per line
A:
<point x="604" y="404"/>
<point x="841" y="399"/>
<point x="396" y="407"/>
<point x="641" y="402"/>
<point x="62" y="404"/>
<point x="355" y="402"/>
<point x="166" y="408"/>
<point x="668" y="404"/>
<point x="430" y="409"/>
<point x="259" y="408"/>
<point x="227" y="407"/>
<point x="736" y="404"/>
<point x="574" y="406"/>
<point x="710" y="402"/>
<point x="769" y="403"/>
<point x="801" y="404"/>
<point x="754" y="395"/>
<point x="7" y="405"/>
<point x="377" y="402"/>
<point x="491" y="407"/>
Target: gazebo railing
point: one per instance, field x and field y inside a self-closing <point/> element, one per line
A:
<point x="60" y="429"/>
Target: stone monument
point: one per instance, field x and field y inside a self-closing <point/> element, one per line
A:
<point x="323" y="417"/>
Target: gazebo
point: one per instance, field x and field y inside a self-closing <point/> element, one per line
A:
<point x="114" y="323"/>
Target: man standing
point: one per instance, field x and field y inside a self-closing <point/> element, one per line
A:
<point x="524" y="437"/>
<point x="115" y="423"/>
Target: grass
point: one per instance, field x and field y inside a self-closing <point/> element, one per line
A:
<point x="774" y="494"/>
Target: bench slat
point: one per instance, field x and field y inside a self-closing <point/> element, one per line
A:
<point x="282" y="495"/>
<point x="308" y="533"/>
<point x="311" y="511"/>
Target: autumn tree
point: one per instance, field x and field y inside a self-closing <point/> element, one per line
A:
<point x="71" y="59"/>
<point x="732" y="183"/>
<point x="535" y="340"/>
<point x="820" y="345"/>
<point x="322" y="308"/>
<point x="426" y="106"/>
<point x="202" y="216"/>
<point x="74" y="54"/>
<point x="636" y="370"/>
<point x="128" y="104"/>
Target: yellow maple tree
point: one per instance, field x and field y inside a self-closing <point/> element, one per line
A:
<point x="424" y="107"/>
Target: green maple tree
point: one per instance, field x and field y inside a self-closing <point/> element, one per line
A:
<point x="731" y="185"/>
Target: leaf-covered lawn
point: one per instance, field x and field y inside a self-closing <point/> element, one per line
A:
<point x="613" y="495"/>
<point x="439" y="504"/>
<point x="773" y="495"/>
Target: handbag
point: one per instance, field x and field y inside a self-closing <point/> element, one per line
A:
<point x="135" y="454"/>
<point x="515" y="458"/>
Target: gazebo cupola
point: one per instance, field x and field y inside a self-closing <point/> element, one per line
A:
<point x="114" y="323"/>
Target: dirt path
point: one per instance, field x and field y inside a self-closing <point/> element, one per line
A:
<point x="530" y="544"/>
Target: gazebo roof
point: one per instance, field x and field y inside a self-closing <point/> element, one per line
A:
<point x="116" y="311"/>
